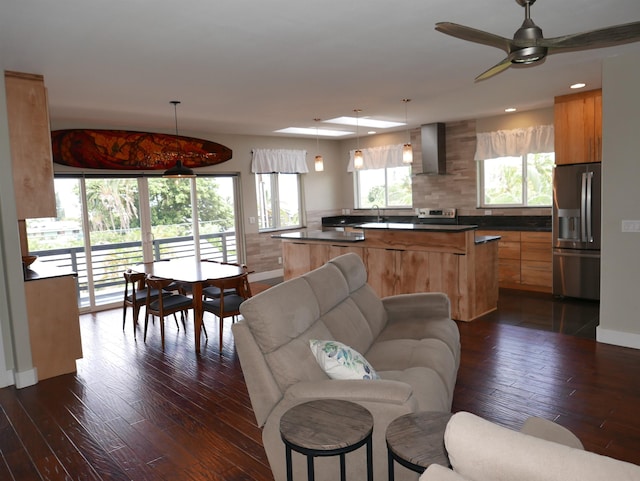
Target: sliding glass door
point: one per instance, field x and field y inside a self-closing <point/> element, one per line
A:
<point x="106" y="224"/>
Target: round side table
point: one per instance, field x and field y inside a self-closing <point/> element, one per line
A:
<point x="326" y="427"/>
<point x="416" y="440"/>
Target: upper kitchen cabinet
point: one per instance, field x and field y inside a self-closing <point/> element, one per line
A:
<point x="578" y="128"/>
<point x="30" y="139"/>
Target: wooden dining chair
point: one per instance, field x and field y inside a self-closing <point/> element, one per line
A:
<point x="135" y="296"/>
<point x="164" y="305"/>
<point x="213" y="292"/>
<point x="237" y="290"/>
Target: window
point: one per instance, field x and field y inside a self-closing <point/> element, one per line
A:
<point x="106" y="224"/>
<point x="524" y="181"/>
<point x="386" y="188"/>
<point x="279" y="203"/>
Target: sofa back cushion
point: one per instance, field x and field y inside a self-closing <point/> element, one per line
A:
<point x="513" y="455"/>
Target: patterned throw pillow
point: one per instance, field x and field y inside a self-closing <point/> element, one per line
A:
<point x="339" y="361"/>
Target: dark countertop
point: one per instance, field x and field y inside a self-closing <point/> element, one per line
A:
<point x="483" y="239"/>
<point x="45" y="270"/>
<point x="535" y="223"/>
<point x="418" y="227"/>
<point x="329" y="236"/>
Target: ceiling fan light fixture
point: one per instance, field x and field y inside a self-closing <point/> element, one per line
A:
<point x="527" y="55"/>
<point x="178" y="171"/>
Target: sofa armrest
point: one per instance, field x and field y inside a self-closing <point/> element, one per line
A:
<point x="427" y="305"/>
<point x="379" y="390"/>
<point x="435" y="472"/>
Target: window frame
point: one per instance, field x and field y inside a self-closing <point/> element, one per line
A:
<point x="525" y="173"/>
<point x="275" y="202"/>
<point x="357" y="189"/>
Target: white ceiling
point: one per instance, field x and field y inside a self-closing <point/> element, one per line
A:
<point x="251" y="67"/>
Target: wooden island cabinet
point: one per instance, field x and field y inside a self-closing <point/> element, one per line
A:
<point x="524" y="259"/>
<point x="406" y="258"/>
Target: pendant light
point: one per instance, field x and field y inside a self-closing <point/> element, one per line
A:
<point x="178" y="171"/>
<point x="407" y="150"/>
<point x="358" y="159"/>
<point x="319" y="163"/>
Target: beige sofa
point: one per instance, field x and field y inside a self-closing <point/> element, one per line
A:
<point x="410" y="340"/>
<point x="542" y="451"/>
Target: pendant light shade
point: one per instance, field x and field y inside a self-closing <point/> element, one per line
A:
<point x="319" y="162"/>
<point x="358" y="159"/>
<point x="407" y="150"/>
<point x="178" y="171"/>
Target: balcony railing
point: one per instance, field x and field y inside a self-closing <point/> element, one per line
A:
<point x="109" y="261"/>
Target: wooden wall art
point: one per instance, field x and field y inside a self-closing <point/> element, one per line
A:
<point x="127" y="150"/>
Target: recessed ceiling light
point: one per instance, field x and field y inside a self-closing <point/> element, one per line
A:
<point x="314" y="131"/>
<point x="371" y="132"/>
<point x="510" y="109"/>
<point x="578" y="86"/>
<point x="364" y="122"/>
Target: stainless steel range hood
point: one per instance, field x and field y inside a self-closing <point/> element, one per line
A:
<point x="434" y="152"/>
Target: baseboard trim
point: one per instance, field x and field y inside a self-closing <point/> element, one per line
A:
<point x="26" y="378"/>
<point x="618" y="338"/>
<point x="261" y="276"/>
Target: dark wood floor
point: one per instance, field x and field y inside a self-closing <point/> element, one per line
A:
<point x="135" y="412"/>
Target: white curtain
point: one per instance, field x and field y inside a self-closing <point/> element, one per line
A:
<point x="283" y="161"/>
<point x="514" y="143"/>
<point x="379" y="157"/>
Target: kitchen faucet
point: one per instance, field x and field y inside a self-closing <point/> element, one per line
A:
<point x="375" y="206"/>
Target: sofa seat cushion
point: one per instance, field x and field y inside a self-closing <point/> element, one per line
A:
<point x="416" y="328"/>
<point x="429" y="392"/>
<point x="294" y="362"/>
<point x="399" y="354"/>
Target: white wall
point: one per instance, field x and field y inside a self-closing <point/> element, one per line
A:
<point x="620" y="285"/>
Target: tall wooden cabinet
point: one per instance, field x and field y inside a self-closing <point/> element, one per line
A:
<point x="30" y="142"/>
<point x="578" y="128"/>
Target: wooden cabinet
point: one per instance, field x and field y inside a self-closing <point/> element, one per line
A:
<point x="524" y="260"/>
<point x="578" y="128"/>
<point x="54" y="328"/>
<point x="30" y="142"/>
<point x="402" y="261"/>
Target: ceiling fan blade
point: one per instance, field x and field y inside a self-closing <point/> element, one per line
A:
<point x="495" y="70"/>
<point x="474" y="35"/>
<point x="601" y="38"/>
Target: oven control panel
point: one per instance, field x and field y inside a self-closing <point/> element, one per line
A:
<point x="449" y="213"/>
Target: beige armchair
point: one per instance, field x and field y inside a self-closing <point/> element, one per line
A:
<point x="542" y="451"/>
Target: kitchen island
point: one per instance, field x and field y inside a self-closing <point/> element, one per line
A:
<point x="406" y="258"/>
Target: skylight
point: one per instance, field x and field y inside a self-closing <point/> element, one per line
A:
<point x="314" y="131"/>
<point x="364" y="122"/>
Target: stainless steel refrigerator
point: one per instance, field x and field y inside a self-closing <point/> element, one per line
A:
<point x="576" y="230"/>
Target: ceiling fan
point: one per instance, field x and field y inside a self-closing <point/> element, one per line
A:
<point x="529" y="47"/>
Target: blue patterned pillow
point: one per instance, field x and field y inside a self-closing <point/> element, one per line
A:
<point x="339" y="361"/>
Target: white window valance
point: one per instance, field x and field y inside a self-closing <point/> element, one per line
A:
<point x="379" y="157"/>
<point x="283" y="161"/>
<point x="514" y="143"/>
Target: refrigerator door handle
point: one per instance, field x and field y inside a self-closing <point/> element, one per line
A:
<point x="589" y="220"/>
<point x="583" y="208"/>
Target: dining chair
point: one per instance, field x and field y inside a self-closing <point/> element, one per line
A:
<point x="164" y="305"/>
<point x="135" y="296"/>
<point x="213" y="292"/>
<point x="227" y="305"/>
